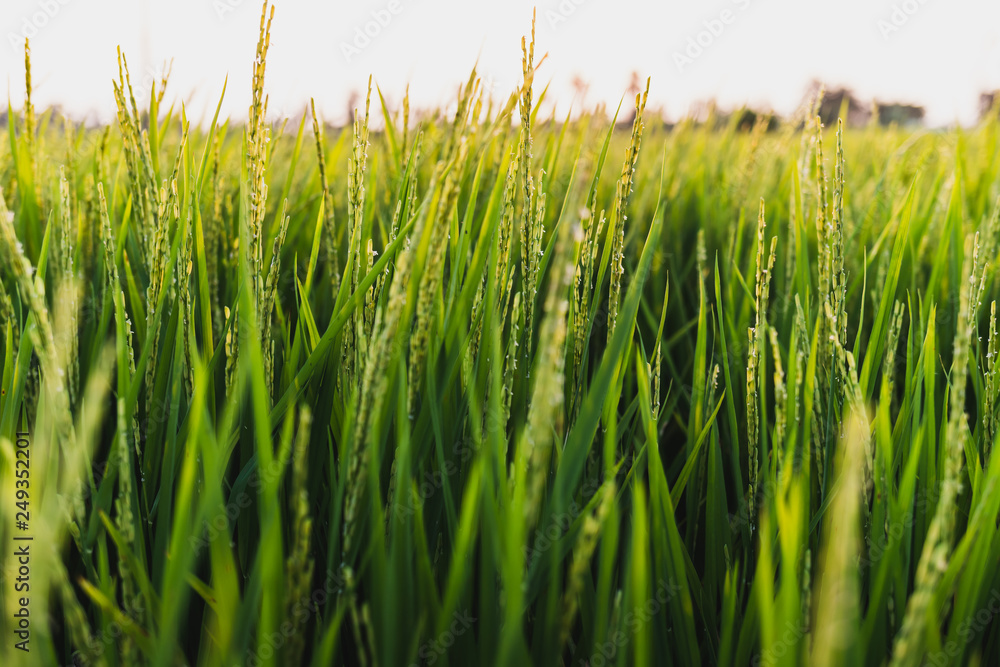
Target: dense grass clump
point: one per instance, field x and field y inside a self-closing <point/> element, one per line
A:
<point x="490" y="388"/>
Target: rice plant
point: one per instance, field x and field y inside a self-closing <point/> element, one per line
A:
<point x="469" y="389"/>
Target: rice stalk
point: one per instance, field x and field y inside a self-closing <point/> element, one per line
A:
<point x="583" y="552"/>
<point x="7" y="315"/>
<point x="354" y="351"/>
<point x="756" y="348"/>
<point x="545" y="416"/>
<point x="908" y="646"/>
<point x="529" y="225"/>
<point x="330" y="232"/>
<point x="299" y="564"/>
<point x="892" y="343"/>
<point x="430" y="280"/>
<point x="618" y="213"/>
<point x="381" y="353"/>
<point x="593" y="226"/>
<point x="32" y="292"/>
<point x="991" y="383"/>
<point x="837" y="611"/>
<point x="118" y="298"/>
<point x="266" y="309"/>
<point x="780" y="398"/>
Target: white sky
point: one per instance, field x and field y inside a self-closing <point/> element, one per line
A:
<point x="942" y="56"/>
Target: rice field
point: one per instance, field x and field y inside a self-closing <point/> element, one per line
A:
<point x="486" y="387"/>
